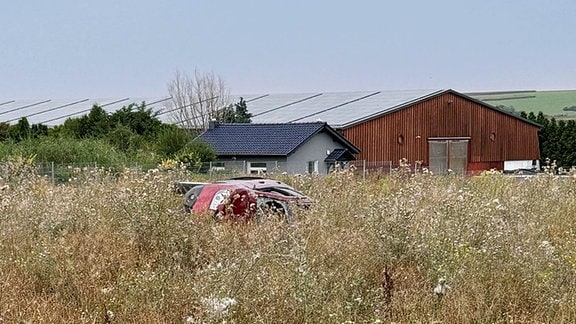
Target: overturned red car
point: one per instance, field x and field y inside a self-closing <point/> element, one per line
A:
<point x="243" y="198"/>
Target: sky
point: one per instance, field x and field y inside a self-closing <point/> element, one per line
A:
<point x="133" y="48"/>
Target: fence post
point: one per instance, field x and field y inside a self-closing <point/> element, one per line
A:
<point x="53" y="173"/>
<point x="363" y="169"/>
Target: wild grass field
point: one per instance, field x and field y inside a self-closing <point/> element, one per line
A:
<point x="551" y="103"/>
<point x="116" y="247"/>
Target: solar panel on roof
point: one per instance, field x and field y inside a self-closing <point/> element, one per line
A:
<point x="24" y="107"/>
<point x="185" y="106"/>
<point x="336" y="108"/>
<point x="256" y="98"/>
<point x="332" y="108"/>
<point x="49" y="110"/>
<point x="82" y="111"/>
<point x="288" y="104"/>
<point x="7" y="102"/>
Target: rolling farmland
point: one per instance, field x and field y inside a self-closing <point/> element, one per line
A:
<point x="550" y="103"/>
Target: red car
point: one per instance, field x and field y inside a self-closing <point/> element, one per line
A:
<point x="243" y="198"/>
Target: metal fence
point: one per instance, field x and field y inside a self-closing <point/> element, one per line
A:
<point x="58" y="172"/>
<point x="365" y="167"/>
<point x="62" y="172"/>
<point x="243" y="167"/>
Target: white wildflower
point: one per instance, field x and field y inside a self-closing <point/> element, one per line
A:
<point x="105" y="290"/>
<point x="441" y="289"/>
<point x="218" y="305"/>
<point x="547" y="247"/>
<point x="109" y="315"/>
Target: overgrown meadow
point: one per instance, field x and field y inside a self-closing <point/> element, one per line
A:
<point x="116" y="247"/>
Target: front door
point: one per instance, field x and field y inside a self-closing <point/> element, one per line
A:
<point x="448" y="154"/>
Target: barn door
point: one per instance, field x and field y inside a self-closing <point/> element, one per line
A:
<point x="448" y="154"/>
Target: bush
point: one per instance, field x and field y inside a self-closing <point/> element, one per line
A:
<point x="125" y="140"/>
<point x="17" y="169"/>
<point x="171" y="140"/>
<point x="65" y="150"/>
<point x="194" y="154"/>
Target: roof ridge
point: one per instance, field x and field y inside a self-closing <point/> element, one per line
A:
<point x="278" y="123"/>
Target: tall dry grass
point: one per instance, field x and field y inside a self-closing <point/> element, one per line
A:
<point x="116" y="248"/>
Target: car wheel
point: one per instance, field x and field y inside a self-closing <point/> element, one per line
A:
<point x="273" y="210"/>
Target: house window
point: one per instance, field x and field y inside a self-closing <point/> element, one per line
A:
<point x="256" y="167"/>
<point x="313" y="166"/>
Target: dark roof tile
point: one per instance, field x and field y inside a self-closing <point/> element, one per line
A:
<point x="264" y="139"/>
<point x="339" y="155"/>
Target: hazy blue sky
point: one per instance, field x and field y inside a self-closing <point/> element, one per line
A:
<point x="118" y="48"/>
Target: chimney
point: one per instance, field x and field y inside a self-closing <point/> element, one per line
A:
<point x="213" y="124"/>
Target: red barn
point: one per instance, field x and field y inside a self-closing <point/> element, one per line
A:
<point x="444" y="129"/>
<point x="447" y="130"/>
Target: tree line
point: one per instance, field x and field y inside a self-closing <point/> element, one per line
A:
<point x="557" y="140"/>
<point x="133" y="134"/>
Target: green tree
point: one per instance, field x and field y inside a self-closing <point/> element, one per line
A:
<point x="21" y="130"/>
<point x="569" y="144"/>
<point x="4" y="131"/>
<point x="139" y="119"/>
<point x="550" y="151"/>
<point x="38" y="130"/>
<point x="236" y="113"/>
<point x="172" y="139"/>
<point x="541" y="119"/>
<point x="224" y="115"/>
<point x="94" y="125"/>
<point x="97" y="123"/>
<point x="124" y="139"/>
<point x="72" y="127"/>
<point x="241" y="114"/>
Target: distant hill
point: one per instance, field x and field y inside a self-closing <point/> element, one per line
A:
<point x="560" y="104"/>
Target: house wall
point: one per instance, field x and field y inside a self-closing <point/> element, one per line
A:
<point x="242" y="163"/>
<point x="315" y="149"/>
<point x="495" y="137"/>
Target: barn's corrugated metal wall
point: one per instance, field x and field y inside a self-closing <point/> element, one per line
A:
<point x="494" y="136"/>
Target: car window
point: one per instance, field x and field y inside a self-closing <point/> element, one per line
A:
<point x="283" y="191"/>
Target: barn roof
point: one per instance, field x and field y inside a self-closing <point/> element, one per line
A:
<point x="266" y="139"/>
<point x="339" y="109"/>
<point x="342" y="109"/>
